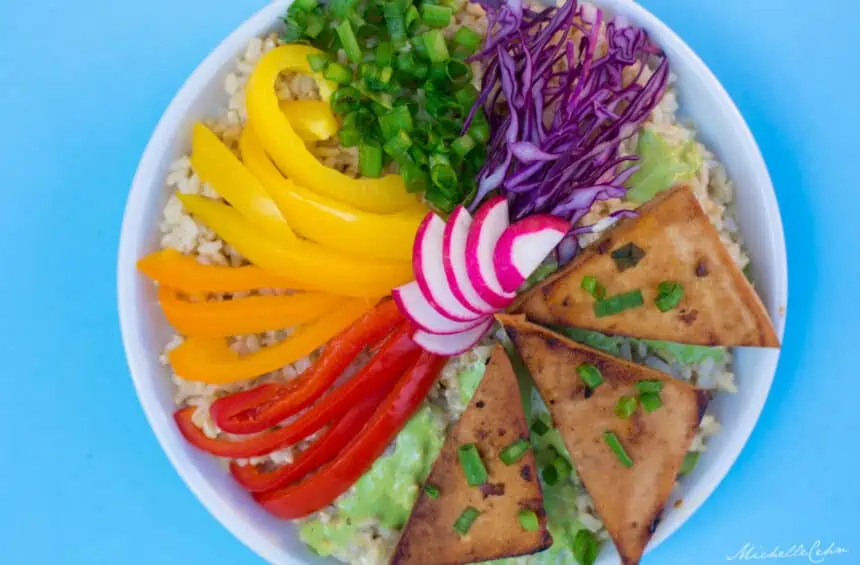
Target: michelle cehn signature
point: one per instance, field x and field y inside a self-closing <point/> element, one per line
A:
<point x="816" y="553"/>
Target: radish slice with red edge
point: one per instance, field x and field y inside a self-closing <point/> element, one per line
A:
<point x="420" y="312"/>
<point x="487" y="227"/>
<point x="427" y="264"/>
<point x="524" y="246"/>
<point x="453" y="344"/>
<point x="454" y="262"/>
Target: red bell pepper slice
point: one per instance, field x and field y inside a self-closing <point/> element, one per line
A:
<point x="322" y="488"/>
<point x="395" y="356"/>
<point x="318" y="454"/>
<point x="264" y="407"/>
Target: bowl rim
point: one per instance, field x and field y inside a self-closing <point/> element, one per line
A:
<point x="134" y="227"/>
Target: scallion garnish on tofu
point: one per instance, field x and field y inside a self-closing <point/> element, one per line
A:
<point x="618" y="303"/>
<point x="473" y="466"/>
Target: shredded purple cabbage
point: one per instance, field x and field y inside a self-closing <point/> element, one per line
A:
<point x="546" y="60"/>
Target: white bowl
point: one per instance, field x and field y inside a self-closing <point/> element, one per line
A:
<point x="145" y="332"/>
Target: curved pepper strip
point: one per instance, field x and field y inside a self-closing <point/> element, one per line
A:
<point x="217" y="166"/>
<point x="318" y="454"/>
<point x="212" y="361"/>
<point x="312" y="120"/>
<point x="322" y="488"/>
<point x="329" y="222"/>
<point x="241" y="316"/>
<point x="383" y="195"/>
<point x="312" y="265"/>
<point x="267" y="405"/>
<point x="386" y="367"/>
<point x="171" y="268"/>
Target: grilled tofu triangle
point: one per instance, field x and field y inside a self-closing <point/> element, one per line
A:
<point x="493" y="420"/>
<point x="680" y="245"/>
<point x="630" y="500"/>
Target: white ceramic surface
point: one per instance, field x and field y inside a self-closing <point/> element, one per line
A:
<point x="145" y="332"/>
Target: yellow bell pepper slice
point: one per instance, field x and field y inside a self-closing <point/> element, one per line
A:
<point x="312" y="120"/>
<point x="241" y="316"/>
<point x="327" y="221"/>
<point x="212" y="361"/>
<point x="216" y="165"/>
<point x="171" y="268"/>
<point x="308" y="263"/>
<point x="384" y="195"/>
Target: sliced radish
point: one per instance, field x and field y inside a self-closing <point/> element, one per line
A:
<point x="454" y="262"/>
<point x="453" y="344"/>
<point x="486" y="229"/>
<point x="420" y="312"/>
<point x="524" y="246"/>
<point x="427" y="264"/>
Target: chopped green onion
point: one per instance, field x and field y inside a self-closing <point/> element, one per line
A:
<point x="369" y="159"/>
<point x="650" y="401"/>
<point x="318" y="61"/>
<point x="412" y="19"/>
<point x="625" y="407"/>
<point x="435" y="15"/>
<point x="473" y="467"/>
<point x="590" y="285"/>
<point x="514" y="452"/>
<point x="349" y="137"/>
<point x="307" y="5"/>
<point x="618" y="303"/>
<point x="615" y="445"/>
<point x="434" y="43"/>
<point x="385" y="75"/>
<point x="419" y="47"/>
<point x="345" y="100"/>
<point x="590" y="375"/>
<point x="559" y="469"/>
<point x="480" y="128"/>
<point x="529" y="520"/>
<point x="467" y="38"/>
<point x="645" y="386"/>
<point x="444" y="176"/>
<point x="399" y="118"/>
<point x="466" y="96"/>
<point x="385" y="54"/>
<point x="342" y="8"/>
<point x="463" y="144"/>
<point x="393" y="13"/>
<point x="338" y="73"/>
<point x="464" y="522"/>
<point x="440" y="201"/>
<point x="432" y="490"/>
<point x="398" y="145"/>
<point x="414" y="178"/>
<point x="349" y="41"/>
<point x="549" y="474"/>
<point x="585" y="547"/>
<point x="689" y="463"/>
<point x="458" y="72"/>
<point x="539" y="427"/>
<point x="669" y="295"/>
<point x="314" y="26"/>
<point x="627" y="256"/>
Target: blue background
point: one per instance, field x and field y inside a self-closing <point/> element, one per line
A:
<point x="82" y="84"/>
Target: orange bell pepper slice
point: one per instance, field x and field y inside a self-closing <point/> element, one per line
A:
<point x="241" y="316"/>
<point x="171" y="268"/>
<point x="211" y="361"/>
